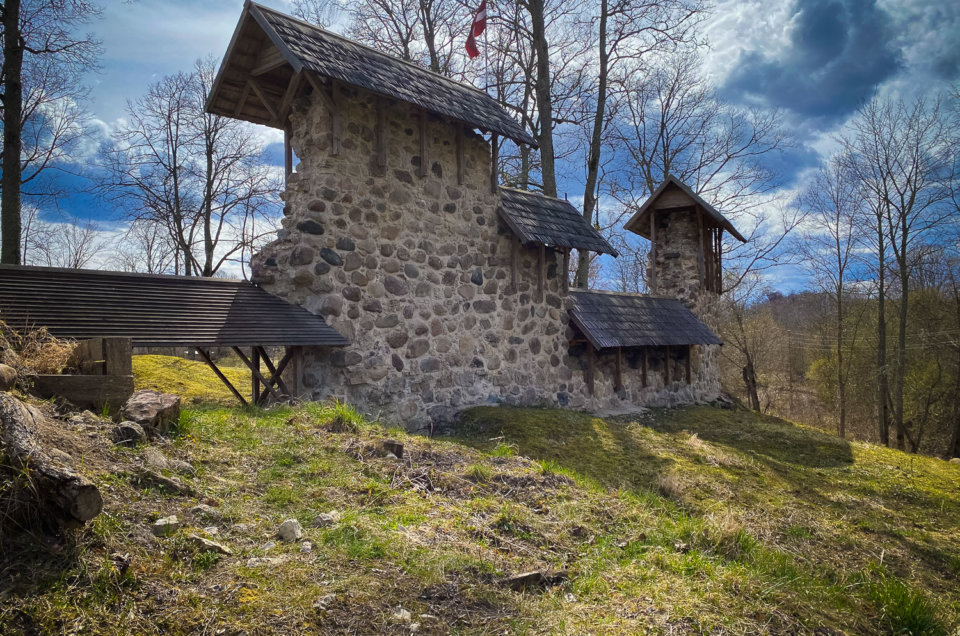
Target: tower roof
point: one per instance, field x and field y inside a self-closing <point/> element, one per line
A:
<point x="673" y="194"/>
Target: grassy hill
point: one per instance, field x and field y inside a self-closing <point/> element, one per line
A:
<point x="683" y="521"/>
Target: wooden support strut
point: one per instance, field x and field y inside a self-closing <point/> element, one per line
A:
<point x="255" y="377"/>
<point x="275" y="377"/>
<point x="219" y="374"/>
<point x="701" y="264"/>
<point x="284" y="111"/>
<point x="332" y="103"/>
<point x="565" y="278"/>
<point x="287" y="153"/>
<point x="256" y="372"/>
<point x="255" y="87"/>
<point x="652" y="277"/>
<point x="494" y="163"/>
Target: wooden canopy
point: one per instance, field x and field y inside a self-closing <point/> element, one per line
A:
<point x="674" y="195"/>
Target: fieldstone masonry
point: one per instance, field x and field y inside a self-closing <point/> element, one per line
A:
<point x="417" y="272"/>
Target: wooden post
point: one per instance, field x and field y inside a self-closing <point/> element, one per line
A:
<point x="618" y="378"/>
<point x="275" y="375"/>
<point x="701" y="266"/>
<point x="287" y="154"/>
<point x="380" y="138"/>
<point x="666" y="366"/>
<point x="541" y="270"/>
<point x="117" y="356"/>
<point x="643" y="376"/>
<point x="255" y="371"/>
<point x="424" y="162"/>
<point x="566" y="271"/>
<point x="494" y="162"/>
<point x="689" y="353"/>
<point x="459" y="153"/>
<point x="719" y="260"/>
<point x="254" y="377"/>
<point x="298" y="370"/>
<point x="590" y="367"/>
<point x="653" y="252"/>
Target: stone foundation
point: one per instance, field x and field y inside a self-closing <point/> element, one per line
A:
<point x="417" y="271"/>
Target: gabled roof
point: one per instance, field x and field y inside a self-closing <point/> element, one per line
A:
<point x="265" y="37"/>
<point x="610" y="319"/>
<point x="155" y="311"/>
<point x="536" y="218"/>
<point x="639" y="223"/>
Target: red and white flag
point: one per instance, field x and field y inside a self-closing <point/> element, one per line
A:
<point x="479" y="24"/>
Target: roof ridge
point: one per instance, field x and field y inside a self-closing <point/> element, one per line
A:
<point x="534" y="193"/>
<point x="344" y="38"/>
<point x="608" y="292"/>
<point x="110" y="272"/>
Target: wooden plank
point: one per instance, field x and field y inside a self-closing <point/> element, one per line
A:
<point x="284" y="111"/>
<point x="219" y="374"/>
<point x="689" y="353"/>
<point x="258" y="91"/>
<point x="591" y="368"/>
<point x="244" y="94"/>
<point x="424" y="169"/>
<point x="255" y="377"/>
<point x="380" y="137"/>
<point x="460" y="158"/>
<point x="117" y="356"/>
<point x="666" y="366"/>
<point x="269" y="60"/>
<point x="87" y="357"/>
<point x="652" y="277"/>
<point x="494" y="163"/>
<point x="643" y="376"/>
<point x="336" y="120"/>
<point x="86" y="391"/>
<point x="541" y="270"/>
<point x="618" y="377"/>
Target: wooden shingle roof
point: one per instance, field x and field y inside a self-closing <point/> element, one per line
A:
<point x="674" y="193"/>
<point x="156" y="311"/>
<point x="631" y="320"/>
<point x="536" y="218"/>
<point x="309" y="48"/>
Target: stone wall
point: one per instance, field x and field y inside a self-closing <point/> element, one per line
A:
<point x="417" y="272"/>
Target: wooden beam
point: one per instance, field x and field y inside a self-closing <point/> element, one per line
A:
<point x="256" y="372"/>
<point x="701" y="271"/>
<point x="541" y="270"/>
<point x="219" y="374"/>
<point x="283" y="112"/>
<point x="652" y="274"/>
<point x="380" y="137"/>
<point x="332" y="104"/>
<point x="618" y="377"/>
<point x="275" y="377"/>
<point x="666" y="366"/>
<point x="263" y="100"/>
<point x="269" y="59"/>
<point x="643" y="376"/>
<point x="719" y="260"/>
<point x="460" y="159"/>
<point x="494" y="162"/>
<point x="255" y="377"/>
<point x="287" y="154"/>
<point x="565" y="278"/>
<point x="689" y="353"/>
<point x="424" y="168"/>
<point x="591" y="368"/>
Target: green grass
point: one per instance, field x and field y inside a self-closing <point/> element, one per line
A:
<point x="194" y="381"/>
<point x="691" y="520"/>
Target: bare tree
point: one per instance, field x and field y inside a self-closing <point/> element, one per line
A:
<point x="42" y="61"/>
<point x="146" y="247"/>
<point x="834" y="205"/>
<point x="67" y="242"/>
<point x="904" y="157"/>
<point x="197" y="175"/>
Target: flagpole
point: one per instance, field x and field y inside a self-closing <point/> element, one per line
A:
<point x="486" y="59"/>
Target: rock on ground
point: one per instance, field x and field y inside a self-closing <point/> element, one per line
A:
<point x="128" y="434"/>
<point x="165" y="526"/>
<point x="290" y="530"/>
<point x="209" y="546"/>
<point x="8" y="377"/>
<point x="154" y="411"/>
<point x="326" y="519"/>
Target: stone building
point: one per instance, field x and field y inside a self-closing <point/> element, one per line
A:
<point x="452" y="290"/>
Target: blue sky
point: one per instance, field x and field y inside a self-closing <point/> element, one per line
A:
<point x="816" y="60"/>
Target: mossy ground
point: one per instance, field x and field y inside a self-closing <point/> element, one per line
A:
<point x="686" y="521"/>
<point x="194" y="381"/>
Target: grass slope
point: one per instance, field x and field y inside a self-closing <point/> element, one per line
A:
<point x="190" y="379"/>
<point x="688" y="521"/>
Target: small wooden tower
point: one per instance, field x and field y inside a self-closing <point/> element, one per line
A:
<point x="686" y="256"/>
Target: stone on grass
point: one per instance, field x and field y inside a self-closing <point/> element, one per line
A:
<point x="326" y="519"/>
<point x="206" y="545"/>
<point x="203" y="511"/>
<point x="155" y="459"/>
<point x="306" y="548"/>
<point x="535" y="579"/>
<point x="8" y="377"/>
<point x="402" y="616"/>
<point x="182" y="467"/>
<point x="166" y="526"/>
<point x="128" y="434"/>
<point x="392" y="446"/>
<point x="152" y="478"/>
<point x="290" y="530"/>
<point x="154" y="411"/>
<point x="955" y="460"/>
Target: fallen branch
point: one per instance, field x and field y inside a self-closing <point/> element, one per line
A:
<point x="69" y="498"/>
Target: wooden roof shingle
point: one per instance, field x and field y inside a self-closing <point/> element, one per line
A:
<point x="156" y="311"/>
<point x="610" y="319"/>
<point x="639" y="223"/>
<point x="306" y="47"/>
<point x="536" y="218"/>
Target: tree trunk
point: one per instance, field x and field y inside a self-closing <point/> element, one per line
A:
<point x="70" y="498"/>
<point x="208" y="209"/>
<point x="750" y="382"/>
<point x="544" y="103"/>
<point x="901" y="362"/>
<point x="882" y="388"/>
<point x="12" y="143"/>
<point x="582" y="278"/>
